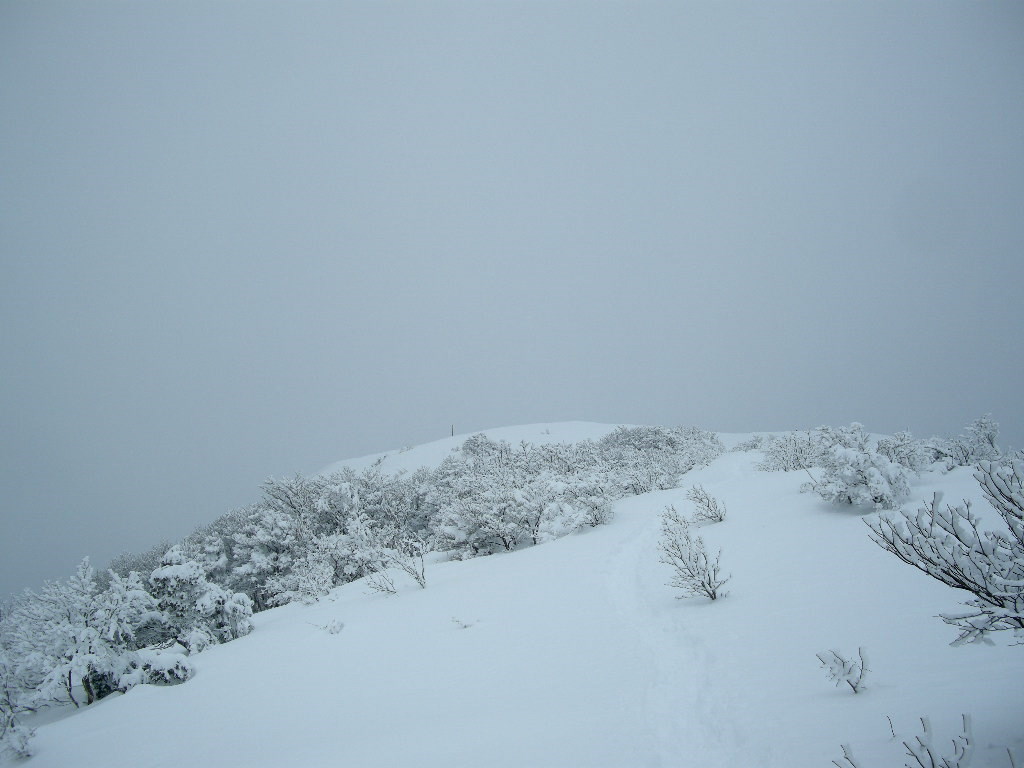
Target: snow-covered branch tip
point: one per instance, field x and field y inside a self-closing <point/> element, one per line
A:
<point x="844" y="670"/>
<point x="923" y="752"/>
<point x="848" y="761"/>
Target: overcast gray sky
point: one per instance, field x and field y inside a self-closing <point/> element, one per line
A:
<point x="249" y="239"/>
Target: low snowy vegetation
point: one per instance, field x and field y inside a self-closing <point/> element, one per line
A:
<point x="924" y="752"/>
<point x="792" y="451"/>
<point x="80" y="641"/>
<point x="707" y="509"/>
<point x="855" y="472"/>
<point x="694" y="572"/>
<point x="978" y="443"/>
<point x="384" y="526"/>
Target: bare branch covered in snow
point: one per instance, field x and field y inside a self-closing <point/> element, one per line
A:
<point x="947" y="544"/>
<point x="708" y="508"/>
<point x="844" y="670"/>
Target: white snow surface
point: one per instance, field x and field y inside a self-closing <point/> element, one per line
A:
<point x="575" y="653"/>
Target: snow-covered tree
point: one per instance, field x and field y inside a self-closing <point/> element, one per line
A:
<point x="140" y="562"/>
<point x="264" y="543"/>
<point x="73" y="636"/>
<point x="197" y="612"/>
<point x="947" y="544"/>
<point x="327" y="562"/>
<point x="15" y="737"/>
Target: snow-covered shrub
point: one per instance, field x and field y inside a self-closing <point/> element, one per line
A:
<point x="694" y="572"/>
<point x="708" y="509"/>
<point x="376" y="549"/>
<point x="197" y="612"/>
<point x="163" y="664"/>
<point x="15" y="738"/>
<point x="490" y="496"/>
<point x="901" y="448"/>
<point x="754" y="443"/>
<point x="654" y="458"/>
<point x="856" y="473"/>
<point x="793" y="450"/>
<point x="947" y="544"/>
<point x="966" y="450"/>
<point x="845" y="670"/>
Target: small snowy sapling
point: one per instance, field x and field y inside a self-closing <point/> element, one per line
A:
<point x="708" y="508"/>
<point x="694" y="572"/>
<point x="844" y="670"/>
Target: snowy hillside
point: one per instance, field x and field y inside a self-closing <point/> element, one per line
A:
<point x="576" y="653"/>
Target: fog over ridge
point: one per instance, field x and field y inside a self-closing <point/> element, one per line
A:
<point x="241" y="241"/>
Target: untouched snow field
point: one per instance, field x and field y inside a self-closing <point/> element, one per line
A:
<point x="575" y="653"/>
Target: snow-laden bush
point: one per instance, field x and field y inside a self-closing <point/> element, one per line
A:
<point x="654" y="458"/>
<point x="754" y="443"/>
<point x="490" y="496"/>
<point x="966" y="450"/>
<point x="794" y="450"/>
<point x="856" y="473"/>
<point x="694" y="572"/>
<point x="163" y="664"/>
<point x="947" y="544"/>
<point x="901" y="448"/>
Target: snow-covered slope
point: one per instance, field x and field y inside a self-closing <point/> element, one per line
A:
<point x="575" y="653"/>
